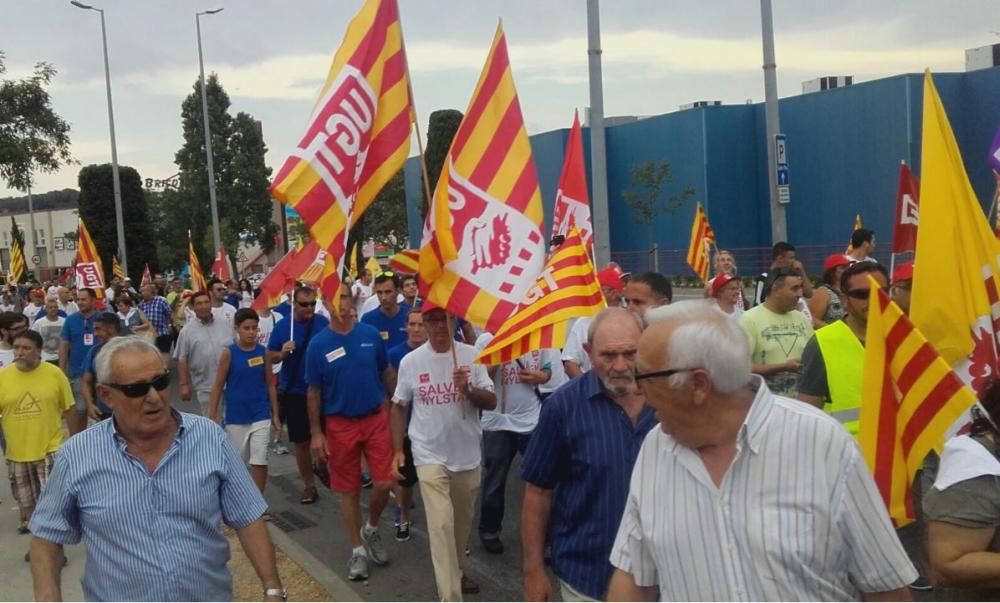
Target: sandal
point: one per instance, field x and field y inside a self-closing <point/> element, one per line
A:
<point x="23" y="528"/>
<point x="309" y="496"/>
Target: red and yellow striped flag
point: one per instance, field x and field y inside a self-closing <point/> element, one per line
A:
<point x="197" y="276"/>
<point x="700" y="249"/>
<point x="89" y="268"/>
<point x="17" y="265"/>
<point x="567" y="288"/>
<point x="358" y="136"/>
<point x="116" y="268"/>
<point x="910" y="397"/>
<point x="483" y="244"/>
<point x="406" y="261"/>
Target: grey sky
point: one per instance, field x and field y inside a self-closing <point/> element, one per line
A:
<point x="272" y="56"/>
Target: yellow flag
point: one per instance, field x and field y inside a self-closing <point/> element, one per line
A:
<point x="373" y="266"/>
<point x="955" y="281"/>
<point x="353" y="263"/>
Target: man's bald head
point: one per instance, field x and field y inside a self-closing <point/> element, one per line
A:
<point x="615" y="318"/>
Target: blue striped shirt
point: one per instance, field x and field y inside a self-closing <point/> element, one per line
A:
<point x="150" y="536"/>
<point x="584" y="448"/>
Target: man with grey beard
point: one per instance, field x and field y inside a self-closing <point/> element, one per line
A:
<point x="576" y="469"/>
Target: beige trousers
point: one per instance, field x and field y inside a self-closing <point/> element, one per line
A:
<point x="450" y="502"/>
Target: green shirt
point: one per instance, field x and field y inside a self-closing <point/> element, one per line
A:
<point x="774" y="339"/>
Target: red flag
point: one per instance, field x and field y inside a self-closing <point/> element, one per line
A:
<point x="146" y="276"/>
<point x="572" y="207"/>
<point x="221" y="267"/>
<point x="277" y="282"/>
<point x="904" y="231"/>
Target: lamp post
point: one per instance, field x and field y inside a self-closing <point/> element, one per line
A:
<point x="779" y="229"/>
<point x="208" y="134"/>
<point x="119" y="222"/>
<point x="598" y="156"/>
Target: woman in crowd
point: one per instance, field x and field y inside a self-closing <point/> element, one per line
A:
<point x="133" y="320"/>
<point x="826" y="305"/>
<point x="963" y="507"/>
<point x="245" y="293"/>
<point x="725" y="264"/>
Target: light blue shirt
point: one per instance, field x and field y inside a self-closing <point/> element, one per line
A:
<point x="149" y="536"/>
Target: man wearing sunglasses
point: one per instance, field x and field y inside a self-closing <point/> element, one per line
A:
<point x="833" y="361"/>
<point x="147" y="492"/>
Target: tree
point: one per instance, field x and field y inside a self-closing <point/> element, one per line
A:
<point x="241" y="175"/>
<point x="385" y="220"/>
<point x="97" y="209"/>
<point x="32" y="137"/>
<point x="648" y="181"/>
<point x="441" y="128"/>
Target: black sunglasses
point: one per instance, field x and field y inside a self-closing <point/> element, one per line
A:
<point x="138" y="390"/>
<point x="308" y="304"/>
<point x="667" y="373"/>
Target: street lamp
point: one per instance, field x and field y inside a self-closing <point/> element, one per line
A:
<point x="208" y="134"/>
<point x="119" y="222"/>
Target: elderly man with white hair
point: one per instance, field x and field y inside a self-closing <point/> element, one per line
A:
<point x="742" y="494"/>
<point x="147" y="492"/>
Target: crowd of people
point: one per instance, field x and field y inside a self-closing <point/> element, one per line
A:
<point x="702" y="449"/>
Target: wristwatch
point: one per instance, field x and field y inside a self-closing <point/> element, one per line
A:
<point x="276" y="592"/>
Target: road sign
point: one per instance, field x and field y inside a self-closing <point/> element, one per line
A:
<point x="783" y="176"/>
<point x="36" y="260"/>
<point x="780" y="154"/>
<point x="784" y="194"/>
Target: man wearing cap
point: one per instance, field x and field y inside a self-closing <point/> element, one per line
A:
<point x="35" y="305"/>
<point x="832" y="364"/>
<point x="574" y="358"/>
<point x="902" y="284"/>
<point x="826" y="305"/>
<point x="727" y="292"/>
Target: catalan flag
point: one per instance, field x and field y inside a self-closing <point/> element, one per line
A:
<point x="89" y="267"/>
<point x="700" y="249"/>
<point x="406" y="261"/>
<point x="567" y="288"/>
<point x="17" y="267"/>
<point x="358" y="136"/>
<point x="197" y="276"/>
<point x="955" y="301"/>
<point x="910" y="397"/>
<point x="572" y="207"/>
<point x="116" y="268"/>
<point x="483" y="244"/>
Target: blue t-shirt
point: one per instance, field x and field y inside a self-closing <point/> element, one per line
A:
<point x="78" y="330"/>
<point x="246" y="390"/>
<point x="292" y="378"/>
<point x="392" y="330"/>
<point x="284" y="308"/>
<point x="347" y="369"/>
<point x="91" y="364"/>
<point x="397" y="353"/>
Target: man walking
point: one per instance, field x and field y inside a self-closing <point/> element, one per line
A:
<point x="288" y="345"/>
<point x="446" y="393"/>
<point x="77" y="339"/>
<point x="199" y="347"/>
<point x="862" y="245"/>
<point x="716" y="505"/>
<point x="12" y="324"/>
<point x="348" y="375"/>
<point x="107" y="326"/>
<point x="778" y="331"/>
<point x="50" y="327"/>
<point x="578" y="463"/>
<point x="389" y="318"/>
<point x="148" y="493"/>
<point x="157" y="311"/>
<point x="647" y="290"/>
<point x="34" y="398"/>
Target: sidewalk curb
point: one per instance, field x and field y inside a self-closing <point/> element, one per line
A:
<point x="338" y="589"/>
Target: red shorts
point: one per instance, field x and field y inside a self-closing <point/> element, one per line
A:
<point x="347" y="439"/>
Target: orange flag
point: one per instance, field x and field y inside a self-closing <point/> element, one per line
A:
<point x="483" y="245"/>
<point x="357" y="138"/>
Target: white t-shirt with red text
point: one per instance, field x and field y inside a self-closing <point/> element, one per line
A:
<point x="439" y="433"/>
<point x="518" y="404"/>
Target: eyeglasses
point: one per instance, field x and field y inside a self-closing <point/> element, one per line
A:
<point x="308" y="304"/>
<point x="138" y="390"/>
<point x="667" y="373"/>
<point x="861" y="293"/>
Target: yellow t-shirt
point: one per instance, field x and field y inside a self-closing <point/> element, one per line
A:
<point x="32" y="405"/>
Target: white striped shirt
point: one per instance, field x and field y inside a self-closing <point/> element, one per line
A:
<point x="797" y="516"/>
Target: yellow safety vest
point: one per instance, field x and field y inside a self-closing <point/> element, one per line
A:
<point x="844" y="357"/>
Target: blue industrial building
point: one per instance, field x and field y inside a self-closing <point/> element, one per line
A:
<point x="844" y="150"/>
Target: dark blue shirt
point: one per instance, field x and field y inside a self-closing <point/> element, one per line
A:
<point x="391" y="329"/>
<point x="247" y="400"/>
<point x="292" y="378"/>
<point x="78" y="330"/>
<point x="284" y="308"/>
<point x="584" y="448"/>
<point x="91" y="364"/>
<point x="347" y="369"/>
<point x="397" y="353"/>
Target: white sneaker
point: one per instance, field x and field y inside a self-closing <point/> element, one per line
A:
<point x="372" y="541"/>
<point x="357" y="567"/>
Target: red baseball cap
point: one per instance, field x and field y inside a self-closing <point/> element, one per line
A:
<point x="721" y="281"/>
<point x="903" y="272"/>
<point x="611" y="277"/>
<point x="835" y="260"/>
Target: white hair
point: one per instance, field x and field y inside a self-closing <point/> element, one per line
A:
<point x="705" y="339"/>
<point x="126" y="343"/>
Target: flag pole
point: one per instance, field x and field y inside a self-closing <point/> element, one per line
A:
<point x="416" y="123"/>
<point x="454" y="355"/>
<point x="994" y="213"/>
